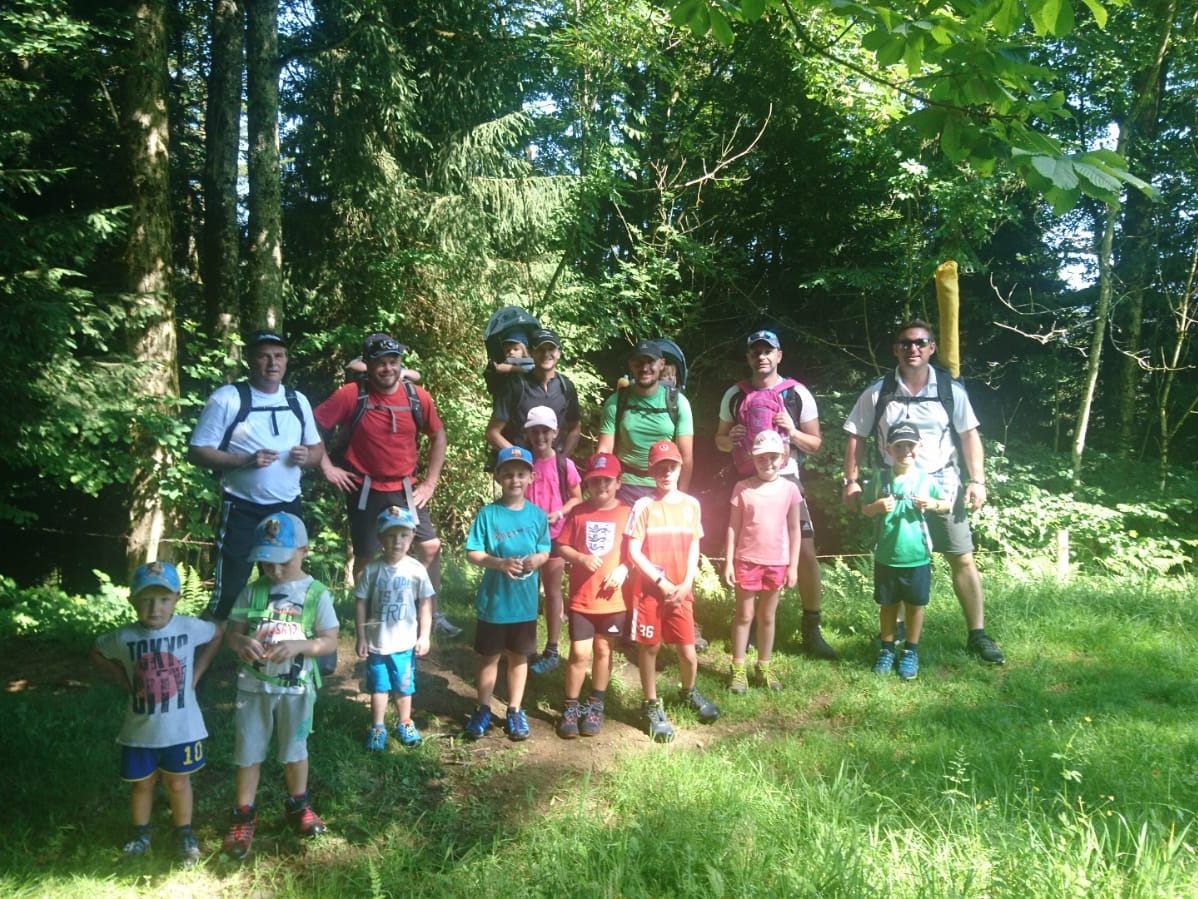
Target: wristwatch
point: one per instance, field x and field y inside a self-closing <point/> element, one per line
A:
<point x="844" y="482"/>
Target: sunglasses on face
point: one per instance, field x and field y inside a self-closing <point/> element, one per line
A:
<point x="920" y="342"/>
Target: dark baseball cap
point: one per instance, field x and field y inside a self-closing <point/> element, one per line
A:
<point x="649" y="348"/>
<point x="904" y="432"/>
<point x="764" y="336"/>
<point x="544" y="335"/>
<point x="378" y="345"/>
<point x="264" y="336"/>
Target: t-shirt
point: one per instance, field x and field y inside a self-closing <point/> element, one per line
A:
<point x="596" y="532"/>
<point x="273" y="426"/>
<point x="162" y="710"/>
<point x="903" y="539"/>
<point x="521" y="392"/>
<point x="764" y="537"/>
<point x="667" y="529"/>
<point x="384" y="443"/>
<point x="282" y="620"/>
<point x="646" y="421"/>
<point x="937" y="450"/>
<point x="545" y="491"/>
<point x="392" y="593"/>
<point x="507" y="534"/>
<point x="808" y="412"/>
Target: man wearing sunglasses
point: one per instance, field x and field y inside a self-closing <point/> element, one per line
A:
<point x="920" y="399"/>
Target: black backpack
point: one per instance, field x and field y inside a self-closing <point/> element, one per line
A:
<point x="944" y="395"/>
<point x="245" y="398"/>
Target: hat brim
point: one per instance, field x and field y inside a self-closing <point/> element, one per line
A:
<point x="279" y="555"/>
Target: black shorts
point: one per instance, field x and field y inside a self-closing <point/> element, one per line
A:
<point x="364" y="523"/>
<point x="492" y="639"/>
<point x="234" y="539"/>
<point x="609" y="625"/>
<point x="910" y="585"/>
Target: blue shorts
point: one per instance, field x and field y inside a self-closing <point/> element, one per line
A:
<point x="394" y="673"/>
<point x="140" y="762"/>
<point x="910" y="585"/>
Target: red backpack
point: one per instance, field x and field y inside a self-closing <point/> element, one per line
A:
<point x="755" y="408"/>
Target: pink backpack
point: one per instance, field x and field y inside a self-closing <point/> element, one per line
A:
<point x="756" y="410"/>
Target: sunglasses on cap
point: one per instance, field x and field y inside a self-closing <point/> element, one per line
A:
<point x="384" y="345"/>
<point x="907" y="344"/>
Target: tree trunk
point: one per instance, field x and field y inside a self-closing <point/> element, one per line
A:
<point x="264" y="306"/>
<point x="149" y="306"/>
<point x="221" y="140"/>
<point x="1094" y="360"/>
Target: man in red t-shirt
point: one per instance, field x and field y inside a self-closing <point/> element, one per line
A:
<point x="378" y="465"/>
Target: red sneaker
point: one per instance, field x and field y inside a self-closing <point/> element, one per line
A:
<point x="302" y="819"/>
<point x="241" y="833"/>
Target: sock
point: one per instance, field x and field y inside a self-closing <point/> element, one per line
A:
<point x="298" y="801"/>
<point x="597" y="697"/>
<point x="142" y="830"/>
<point x="406" y="721"/>
<point x="888" y="644"/>
<point x="913" y="647"/>
<point x="570" y="702"/>
<point x="550" y="650"/>
<point x="809" y="615"/>
<point x="976" y="632"/>
<point x="183" y="830"/>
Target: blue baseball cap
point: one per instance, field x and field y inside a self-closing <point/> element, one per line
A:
<point x="277" y="537"/>
<point x="516" y="337"/>
<point x="764" y="336"/>
<point x="154" y="574"/>
<point x="396" y="517"/>
<point x="513" y="454"/>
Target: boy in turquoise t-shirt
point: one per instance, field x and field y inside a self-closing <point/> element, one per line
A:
<point x="902" y="493"/>
<point x="510" y="540"/>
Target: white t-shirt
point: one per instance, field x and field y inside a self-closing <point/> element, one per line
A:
<point x="279" y="482"/>
<point x="392" y="595"/>
<point x="283" y="621"/>
<point x="808" y="412"/>
<point x="162" y="710"/>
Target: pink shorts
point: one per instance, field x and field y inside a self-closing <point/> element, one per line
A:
<point x="751" y="576"/>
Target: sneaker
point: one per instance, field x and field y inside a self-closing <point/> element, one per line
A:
<point x="407" y="734"/>
<point x="592" y="720"/>
<point x="740" y="679"/>
<point x="766" y="676"/>
<point x="302" y="819"/>
<point x="908" y="666"/>
<point x="189" y="848"/>
<point x="479" y="723"/>
<point x="706" y="708"/>
<point x="516" y="725"/>
<point x="656" y="723"/>
<point x="138" y="846"/>
<point x="885" y="662"/>
<point x="241" y="832"/>
<point x="442" y="625"/>
<point x="983" y="647"/>
<point x="568" y="728"/>
<point x="376" y="738"/>
<point x="546" y="663"/>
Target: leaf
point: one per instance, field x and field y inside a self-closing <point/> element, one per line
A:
<point x="1057" y="170"/>
<point x="1097" y="176"/>
<point x="720" y="29"/>
<point x="1098" y="11"/>
<point x="892" y="52"/>
<point x="682" y="12"/>
<point x="875" y="40"/>
<point x="752" y="10"/>
<point x="950" y="139"/>
<point x="700" y="20"/>
<point x="1051" y="17"/>
<point x="1008" y="18"/>
<point x="913" y="55"/>
<point x="1062" y="200"/>
<point x="927" y="123"/>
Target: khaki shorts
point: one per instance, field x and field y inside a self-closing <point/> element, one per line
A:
<point x="258" y="715"/>
<point x="950" y="530"/>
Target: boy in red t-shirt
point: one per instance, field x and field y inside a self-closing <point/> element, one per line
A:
<point x="592" y="542"/>
<point x="663" y="546"/>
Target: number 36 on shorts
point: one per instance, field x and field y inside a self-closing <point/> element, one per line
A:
<point x="645" y="630"/>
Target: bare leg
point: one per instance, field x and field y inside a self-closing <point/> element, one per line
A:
<point x="178" y="789"/>
<point x="767" y="611"/>
<point x="887" y="618"/>
<point x="551" y="583"/>
<point x="403" y="708"/>
<point x="688" y="665"/>
<point x="576" y="668"/>
<point x="601" y="670"/>
<point x="141" y="799"/>
<point x="517" y="677"/>
<point x="742" y="620"/>
<point x="488" y="670"/>
<point x="810" y="580"/>
<point x="967" y="584"/>
<point x="428" y="554"/>
<point x="914" y="622"/>
<point x="378" y="708"/>
<point x="245" y="784"/>
<point x="295" y="775"/>
<point x="646" y="661"/>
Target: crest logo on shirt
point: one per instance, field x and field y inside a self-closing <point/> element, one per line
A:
<point x="600" y="537"/>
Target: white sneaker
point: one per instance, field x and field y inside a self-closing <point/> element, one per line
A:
<point x="443" y="625"/>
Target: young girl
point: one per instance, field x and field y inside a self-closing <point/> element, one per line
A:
<point x="761" y="555"/>
<point x="555" y="489"/>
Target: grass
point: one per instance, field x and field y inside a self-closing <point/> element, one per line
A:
<point x="1071" y="772"/>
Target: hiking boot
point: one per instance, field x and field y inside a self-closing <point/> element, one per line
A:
<point x="300" y="816"/>
<point x="983" y="647"/>
<point x="740" y="679"/>
<point x="189" y="848"/>
<point x="700" y="641"/>
<point x="568" y="728"/>
<point x="445" y="627"/>
<point x="138" y="846"/>
<point x="480" y="721"/>
<point x="241" y="833"/>
<point x="885" y="662"/>
<point x="592" y="720"/>
<point x="706" y="708"/>
<point x="908" y="666"/>
<point x="546" y="663"/>
<point x="516" y="725"/>
<point x="656" y="723"/>
<point x="766" y="676"/>
<point x="376" y="738"/>
<point x="407" y="734"/>
<point x="813" y="645"/>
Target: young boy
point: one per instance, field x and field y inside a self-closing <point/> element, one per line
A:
<point x="556" y="490"/>
<point x="516" y="361"/>
<point x="664" y="530"/>
<point x="592" y="541"/>
<point x="903" y="557"/>
<point x="156" y="661"/>
<point x="280" y="624"/>
<point x="761" y="554"/>
<point x="393" y="619"/>
<point x="510" y="539"/>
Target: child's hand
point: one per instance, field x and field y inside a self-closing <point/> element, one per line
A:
<point x="594" y="563"/>
<point x="513" y="567"/>
<point x="924" y="503"/>
<point x="284" y="650"/>
<point x="251" y="651"/>
<point x="616" y="578"/>
<point x="729" y="575"/>
<point x="792" y="575"/>
<point x="422" y="646"/>
<point x="362" y="651"/>
<point x="878" y="506"/>
<point x="555" y="516"/>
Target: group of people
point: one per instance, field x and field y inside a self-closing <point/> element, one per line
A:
<point x="625" y="525"/>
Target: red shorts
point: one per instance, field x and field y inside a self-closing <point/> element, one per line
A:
<point x="657" y="621"/>
<point x="751" y="576"/>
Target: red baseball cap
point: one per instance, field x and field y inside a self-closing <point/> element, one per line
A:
<point x="602" y="465"/>
<point x="662" y="451"/>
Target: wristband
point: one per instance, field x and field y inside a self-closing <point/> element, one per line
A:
<point x="978" y="483"/>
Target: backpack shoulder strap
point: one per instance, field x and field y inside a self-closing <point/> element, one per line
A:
<point x="359" y="411"/>
<point x="563" y="477"/>
<point x="672" y="406"/>
<point x="414" y="404"/>
<point x="944" y="392"/>
<point x="245" y="404"/>
<point x="792" y="400"/>
<point x="621" y="407"/>
<point x="259" y="597"/>
<point x="311" y="601"/>
<point x="294" y="404"/>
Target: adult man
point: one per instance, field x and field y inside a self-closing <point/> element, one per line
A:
<point x="384" y="418"/>
<point x="764" y="354"/>
<point x="543" y="386"/>
<point x="917" y="400"/>
<point x="640" y="415"/>
<point x="259" y="436"/>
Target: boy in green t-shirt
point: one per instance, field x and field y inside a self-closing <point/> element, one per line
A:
<point x="902" y="493"/>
